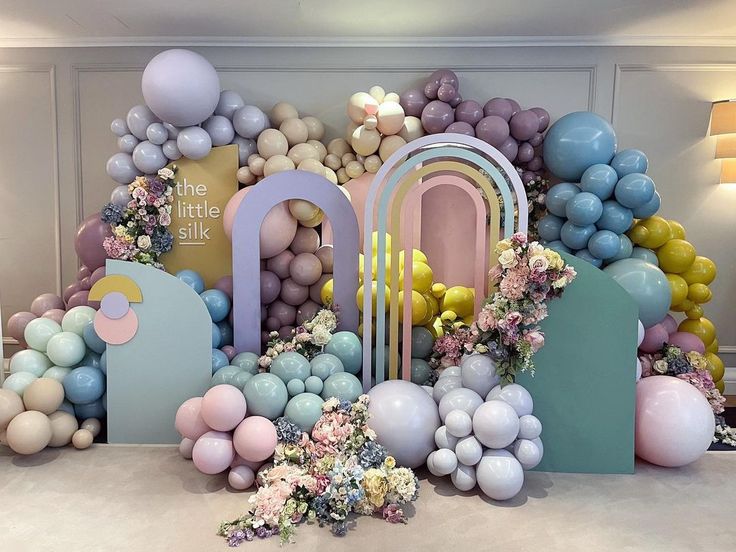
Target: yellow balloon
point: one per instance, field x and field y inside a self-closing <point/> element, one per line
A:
<point x="458" y="299"/>
<point x="721" y="386"/>
<point x="699" y="293"/>
<point x="416" y="255"/>
<point x="659" y="232"/>
<point x="713" y="347"/>
<point x="684" y="306"/>
<point x="678" y="230"/>
<point x="422" y="277"/>
<point x="676" y="256"/>
<point x="418" y="307"/>
<point x="439" y="290"/>
<point x="715" y="366"/>
<point x="361" y="267"/>
<point x="695" y="312"/>
<point x="468" y="320"/>
<point x="638" y="233"/>
<point x="327" y="294"/>
<point x="448" y="316"/>
<point x="702" y="327"/>
<point x="435" y="327"/>
<point x="678" y="289"/>
<point x="359" y="296"/>
<point x="702" y="271"/>
<point x="432" y="303"/>
<point x="374" y="242"/>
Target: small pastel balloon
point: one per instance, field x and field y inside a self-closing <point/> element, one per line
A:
<point x="305" y="269"/>
<point x="527" y="453"/>
<point x="604" y="244"/>
<point x="223" y="407"/>
<point x="459" y="424"/>
<point x="444" y="462"/>
<point x="249" y="121"/>
<point x="459" y="398"/>
<point x="436" y="116"/>
<point x="687" y="342"/>
<point x="558" y="196"/>
<point x="515" y="395"/>
<point x="347" y="347"/>
<point x="255" y="439"/>
<point x="119" y="127"/>
<point x="65" y="349"/>
<point x="324" y="365"/>
<point x="194" y="142"/>
<point x="229" y="102"/>
<point x="220" y="129"/>
<point x="342" y="385"/>
<point x="469" y="451"/>
<point x="464" y="478"/>
<point x="290" y="365"/>
<point x="213" y="452"/>
<point x="634" y="190"/>
<point x="44" y="395"/>
<point x="38" y="332"/>
<point x="500" y="475"/>
<point x="304" y="410"/>
<point x="11" y="405"/>
<point x="495" y="424"/>
<point x="629" y="161"/>
<point x="185" y="448"/>
<point x="241" y="478"/>
<point x="492" y="129"/>
<point x="478" y="372"/>
<point x="121" y="169"/>
<point x="189" y="422"/>
<point x="654" y="339"/>
<point x="63" y="427"/>
<point x="305" y="240"/>
<point x="649" y="208"/>
<point x="266" y="396"/>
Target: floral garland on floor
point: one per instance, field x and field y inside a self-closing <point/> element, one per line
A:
<point x="140" y="229"/>
<point x="339" y="471"/>
<point x="691" y="367"/>
<point x="527" y="276"/>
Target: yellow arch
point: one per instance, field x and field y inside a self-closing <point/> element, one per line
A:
<point x="116" y="282"/>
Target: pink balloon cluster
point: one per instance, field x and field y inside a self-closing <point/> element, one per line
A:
<point x="517" y="133"/>
<point x="666" y="332"/>
<point x="217" y="436"/>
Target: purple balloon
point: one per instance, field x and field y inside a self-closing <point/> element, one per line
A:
<point x="536" y="140"/>
<point x="88" y="241"/>
<point x="120" y="195"/>
<point x="229" y="351"/>
<point x="17" y="325"/>
<point x="535" y="164"/>
<point x="524" y="125"/>
<point x="46" y="301"/>
<point x="527" y="177"/>
<point x="97" y="275"/>
<point x="654" y="338"/>
<point x="293" y="294"/>
<point x="430" y="90"/>
<point x="459" y="127"/>
<point x="543" y="118"/>
<point x="307" y="311"/>
<point x="687" y="342"/>
<point x="469" y="111"/>
<point x="492" y="129"/>
<point x="286" y="332"/>
<point x="272" y="324"/>
<point x="413" y="102"/>
<point x="270" y="287"/>
<point x="79" y="299"/>
<point x="526" y="153"/>
<point x="70" y="290"/>
<point x="83" y="272"/>
<point x="501" y="107"/>
<point x="670" y="324"/>
<point x="437" y="116"/>
<point x="445" y="76"/>
<point x="447" y="93"/>
<point x="509" y="148"/>
<point x="225" y="285"/>
<point x="56" y="315"/>
<point x="279" y="264"/>
<point x="515" y="107"/>
<point x="84" y="283"/>
<point x="285" y="313"/>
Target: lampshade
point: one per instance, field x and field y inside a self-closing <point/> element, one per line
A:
<point x="723" y="125"/>
<point x="723" y="118"/>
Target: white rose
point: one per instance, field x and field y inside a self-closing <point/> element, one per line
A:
<point x="538" y="263"/>
<point x="144" y="243"/>
<point x="508" y="258"/>
<point x="166" y="173"/>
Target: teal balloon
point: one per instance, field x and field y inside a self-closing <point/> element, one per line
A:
<point x="558" y="246"/>
<point x="304" y="410"/>
<point x="94" y="409"/>
<point x="84" y="385"/>
<point x="615" y="217"/>
<point x="92" y="359"/>
<point x="629" y="161"/>
<point x="103" y="362"/>
<point x="39" y="331"/>
<point x="290" y="365"/>
<point x="344" y="386"/>
<point x="604" y="244"/>
<point x="92" y="340"/>
<point x="649" y="208"/>
<point x="634" y="190"/>
<point x="265" y="395"/>
<point x="247" y="362"/>
<point x="588" y="257"/>
<point x="192" y="279"/>
<point x="584" y="208"/>
<point x="348" y="348"/>
<point x="386" y="361"/>
<point x="625" y="249"/>
<point x="295" y="386"/>
<point x="422" y="342"/>
<point x="226" y="333"/>
<point x="18" y="382"/>
<point x="326" y="364"/>
<point x="240" y="379"/>
<point x="56" y="372"/>
<point x="646" y="284"/>
<point x="219" y="360"/>
<point x="558" y="196"/>
<point x="549" y="227"/>
<point x="420" y="371"/>
<point x="576" y="237"/>
<point x="30" y="361"/>
<point x="645" y="255"/>
<point x="217" y="303"/>
<point x="66" y="349"/>
<point x="600" y="180"/>
<point x="577" y="141"/>
<point x="225" y="376"/>
<point x="216" y="336"/>
<point x="313" y="384"/>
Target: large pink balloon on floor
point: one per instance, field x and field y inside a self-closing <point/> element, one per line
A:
<point x="213" y="452"/>
<point x="674" y="422"/>
<point x="223" y="407"/>
<point x="189" y="422"/>
<point x="88" y="242"/>
<point x="687" y="342"/>
<point x="255" y="438"/>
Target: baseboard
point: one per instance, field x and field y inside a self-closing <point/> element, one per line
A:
<point x="730" y="379"/>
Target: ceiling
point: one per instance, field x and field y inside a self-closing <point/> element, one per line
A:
<point x="30" y="23"/>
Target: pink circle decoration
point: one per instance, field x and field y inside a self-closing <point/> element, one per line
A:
<point x="189" y="422"/>
<point x="687" y="342"/>
<point x="223" y="407"/>
<point x="213" y="452"/>
<point x="114" y="305"/>
<point x="116" y="332"/>
<point x="255" y="439"/>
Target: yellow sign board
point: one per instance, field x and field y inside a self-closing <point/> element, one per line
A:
<point x="201" y="190"/>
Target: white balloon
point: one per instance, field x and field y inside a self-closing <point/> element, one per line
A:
<point x="149" y="157"/>
<point x="529" y="427"/>
<point x="220" y="130"/>
<point x="495" y="424"/>
<point x="171" y="150"/>
<point x="459" y="423"/>
<point x="444" y="385"/>
<point x="638" y="369"/>
<point x="444" y="461"/>
<point x="119" y="127"/>
<point x="194" y="142"/>
<point x="468" y="451"/>
<point x="229" y="102"/>
<point x="463" y="399"/>
<point x="157" y="133"/>
<point x="463" y="477"/>
<point x="514" y="394"/>
<point x="640" y="332"/>
<point x="527" y="453"/>
<point x="127" y="143"/>
<point x="443" y="439"/>
<point x="451" y="371"/>
<point x="479" y="373"/>
<point x="500" y="475"/>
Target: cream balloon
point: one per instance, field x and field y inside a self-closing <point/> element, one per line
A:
<point x="29" y="432"/>
<point x="272" y="142"/>
<point x="389" y="145"/>
<point x="338" y="147"/>
<point x="313" y="166"/>
<point x="245" y="176"/>
<point x="354" y="169"/>
<point x="10" y="406"/>
<point x="300" y="152"/>
<point x="277" y="164"/>
<point x="282" y="111"/>
<point x="377" y="92"/>
<point x="391" y="97"/>
<point x="390" y="118"/>
<point x="411" y="129"/>
<point x="303" y="210"/>
<point x="364" y="141"/>
<point x="347" y="158"/>
<point x="63" y="426"/>
<point x="44" y="395"/>
<point x="320" y="147"/>
<point x="82" y="439"/>
<point x="357" y="103"/>
<point x="350" y="129"/>
<point x="256" y="163"/>
<point x="342" y="176"/>
<point x="316" y="221"/>
<point x="332" y="161"/>
<point x="92" y="425"/>
<point x="315" y="128"/>
<point x="372" y="163"/>
<point x="295" y="130"/>
<point x="330" y="175"/>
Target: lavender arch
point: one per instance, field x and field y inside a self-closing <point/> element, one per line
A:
<point x="246" y="249"/>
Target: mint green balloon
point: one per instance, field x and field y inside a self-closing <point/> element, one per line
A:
<point x="18" y="382"/>
<point x="420" y="371"/>
<point x="31" y="361"/>
<point x="56" y="372"/>
<point x="313" y="384"/>
<point x="65" y="349"/>
<point x="246" y="361"/>
<point x="304" y="410"/>
<point x="344" y="386"/>
<point x="265" y="395"/>
<point x="241" y="378"/>
<point x="326" y="364"/>
<point x="422" y="342"/>
<point x="290" y="365"/>
<point x="347" y="347"/>
<point x="225" y="376"/>
<point x="295" y="386"/>
<point x="77" y="318"/>
<point x="39" y="331"/>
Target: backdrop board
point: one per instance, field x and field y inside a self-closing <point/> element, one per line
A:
<point x="167" y="361"/>
<point x="584" y="388"/>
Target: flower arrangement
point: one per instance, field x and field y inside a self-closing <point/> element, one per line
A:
<point x="527" y="276"/>
<point x="308" y="339"/>
<point x="139" y="229"/>
<point x="336" y="472"/>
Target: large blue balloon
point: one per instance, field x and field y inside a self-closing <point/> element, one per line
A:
<point x="629" y="161"/>
<point x="84" y="385"/>
<point x="577" y="141"/>
<point x="615" y="217"/>
<point x="576" y="237"/>
<point x="558" y="196"/>
<point x="217" y="303"/>
<point x="348" y="348"/>
<point x="604" y="244"/>
<point x="634" y="190"/>
<point x="600" y="180"/>
<point x="192" y="279"/>
<point x="586" y="256"/>
<point x="649" y="208"/>
<point x="288" y="366"/>
<point x="646" y="284"/>
<point x="624" y="250"/>
<point x="583" y="209"/>
<point x="549" y="227"/>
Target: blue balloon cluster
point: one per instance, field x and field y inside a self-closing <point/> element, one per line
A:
<point x="589" y="217"/>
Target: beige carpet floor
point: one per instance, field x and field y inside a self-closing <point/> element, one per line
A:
<point x="149" y="499"/>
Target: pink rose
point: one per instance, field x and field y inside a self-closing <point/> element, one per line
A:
<point x="535" y="338"/>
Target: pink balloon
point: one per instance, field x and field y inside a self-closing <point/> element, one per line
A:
<point x="279" y="264"/>
<point x="225" y="285"/>
<point x="687" y="342"/>
<point x="78" y="299"/>
<point x="83" y="272"/>
<point x="654" y="339"/>
<point x="54" y="314"/>
<point x="674" y="422"/>
<point x="189" y="422"/>
<point x="293" y="294"/>
<point x="306" y="240"/>
<point x="98" y="274"/>
<point x="229" y="351"/>
<point x="17" y="325"/>
<point x="670" y="324"/>
<point x="213" y="452"/>
<point x="305" y="269"/>
<point x="285" y="313"/>
<point x="270" y="287"/>
<point x="70" y="290"/>
<point x="185" y="448"/>
<point x="241" y="478"/>
<point x="286" y="332"/>
<point x="88" y="241"/>
<point x="240" y="461"/>
<point x="45" y="302"/>
<point x="255" y="439"/>
<point x="223" y="407"/>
